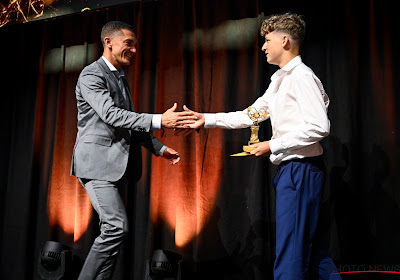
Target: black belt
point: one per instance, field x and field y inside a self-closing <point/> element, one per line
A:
<point x="318" y="161"/>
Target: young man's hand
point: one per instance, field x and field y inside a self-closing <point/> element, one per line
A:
<point x="172" y="119"/>
<point x="262" y="149"/>
<point x="197" y="124"/>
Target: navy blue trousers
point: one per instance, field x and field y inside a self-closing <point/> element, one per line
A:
<point x="299" y="188"/>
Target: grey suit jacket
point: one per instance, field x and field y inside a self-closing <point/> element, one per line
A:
<point x="109" y="131"/>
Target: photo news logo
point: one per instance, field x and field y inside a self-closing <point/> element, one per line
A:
<point x="359" y="268"/>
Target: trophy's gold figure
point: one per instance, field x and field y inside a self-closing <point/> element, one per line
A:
<point x="256" y="116"/>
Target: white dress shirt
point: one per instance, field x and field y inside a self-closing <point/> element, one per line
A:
<point x="156" y="120"/>
<point x="297" y="106"/>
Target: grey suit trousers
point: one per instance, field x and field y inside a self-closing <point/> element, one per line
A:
<point x="107" y="202"/>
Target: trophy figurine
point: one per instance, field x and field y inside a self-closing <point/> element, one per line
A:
<point x="256" y="116"/>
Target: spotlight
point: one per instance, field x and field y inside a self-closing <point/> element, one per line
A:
<point x="55" y="261"/>
<point x="164" y="265"/>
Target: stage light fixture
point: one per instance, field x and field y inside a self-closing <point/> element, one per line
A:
<point x="55" y="261"/>
<point x="164" y="265"/>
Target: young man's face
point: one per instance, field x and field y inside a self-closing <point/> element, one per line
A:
<point x="123" y="48"/>
<point x="273" y="47"/>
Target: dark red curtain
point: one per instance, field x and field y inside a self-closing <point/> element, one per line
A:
<point x="215" y="210"/>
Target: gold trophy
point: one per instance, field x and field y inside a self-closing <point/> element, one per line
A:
<point x="256" y="116"/>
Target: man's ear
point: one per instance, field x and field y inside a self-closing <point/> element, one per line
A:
<point x="107" y="42"/>
<point x="285" y="40"/>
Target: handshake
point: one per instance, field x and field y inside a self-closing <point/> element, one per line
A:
<point x="184" y="122"/>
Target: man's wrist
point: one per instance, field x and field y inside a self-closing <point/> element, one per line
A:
<point x="275" y="146"/>
<point x="210" y="120"/>
<point x="156" y="122"/>
<point x="161" y="152"/>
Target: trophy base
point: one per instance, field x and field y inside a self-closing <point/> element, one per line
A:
<point x="245" y="153"/>
<point x="248" y="148"/>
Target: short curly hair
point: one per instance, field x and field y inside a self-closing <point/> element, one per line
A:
<point x="289" y="23"/>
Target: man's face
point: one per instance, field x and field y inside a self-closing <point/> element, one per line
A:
<point x="273" y="47"/>
<point x="123" y="48"/>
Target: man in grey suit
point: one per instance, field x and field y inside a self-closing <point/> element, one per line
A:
<point x="107" y="152"/>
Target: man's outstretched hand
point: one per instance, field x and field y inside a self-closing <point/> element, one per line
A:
<point x="189" y="128"/>
<point x="172" y="119"/>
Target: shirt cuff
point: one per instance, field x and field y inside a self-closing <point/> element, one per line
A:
<point x="156" y="122"/>
<point x="161" y="152"/>
<point x="275" y="146"/>
<point x="210" y="120"/>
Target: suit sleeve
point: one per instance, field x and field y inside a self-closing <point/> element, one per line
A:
<point x="149" y="141"/>
<point x="94" y="90"/>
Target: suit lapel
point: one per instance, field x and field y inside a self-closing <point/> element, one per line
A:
<point x="113" y="79"/>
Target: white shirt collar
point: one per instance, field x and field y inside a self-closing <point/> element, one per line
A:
<point x="288" y="67"/>
<point x="291" y="64"/>
<point x="112" y="67"/>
